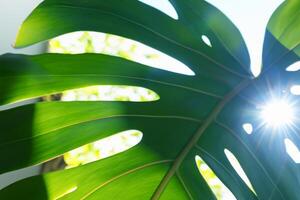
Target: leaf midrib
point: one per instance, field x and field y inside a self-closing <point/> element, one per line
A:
<point x="191" y="143"/>
<point x="211" y="117"/>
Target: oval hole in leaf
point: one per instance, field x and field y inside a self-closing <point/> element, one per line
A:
<point x="248" y="128"/>
<point x="94" y="42"/>
<point x="110" y="93"/>
<point x="216" y="185"/>
<point x="292" y="150"/>
<point x="294" y="67"/>
<point x="103" y="148"/>
<point x="295" y="89"/>
<point x="163" y="5"/>
<point x="238" y="168"/>
<point x="206" y="40"/>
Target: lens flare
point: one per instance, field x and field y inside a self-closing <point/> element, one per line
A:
<point x="277" y="113"/>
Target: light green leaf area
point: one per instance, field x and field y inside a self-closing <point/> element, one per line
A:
<point x="284" y="25"/>
<point x="195" y="115"/>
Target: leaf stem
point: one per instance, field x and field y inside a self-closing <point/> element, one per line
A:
<point x="211" y="117"/>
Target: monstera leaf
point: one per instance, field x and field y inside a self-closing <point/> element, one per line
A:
<point x="195" y="115"/>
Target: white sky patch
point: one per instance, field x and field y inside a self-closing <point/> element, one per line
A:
<point x="237" y="167"/>
<point x="292" y="150"/>
<point x="295" y="89"/>
<point x="206" y="40"/>
<point x="248" y="128"/>
<point x="160" y="60"/>
<point x="294" y="67"/>
<point x="251" y="18"/>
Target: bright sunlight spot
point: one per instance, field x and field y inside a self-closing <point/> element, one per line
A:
<point x="277" y="113"/>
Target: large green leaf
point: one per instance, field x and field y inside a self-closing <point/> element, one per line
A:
<point x="195" y="115"/>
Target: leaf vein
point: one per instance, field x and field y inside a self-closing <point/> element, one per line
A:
<point x="124" y="174"/>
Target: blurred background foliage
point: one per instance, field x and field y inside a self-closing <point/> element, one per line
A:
<point x="91" y="42"/>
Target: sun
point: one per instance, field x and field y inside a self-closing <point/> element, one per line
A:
<point x="277" y="113"/>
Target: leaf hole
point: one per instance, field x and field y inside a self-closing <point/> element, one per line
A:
<point x="294" y="67"/>
<point x="248" y="128"/>
<point x="103" y="148"/>
<point x="216" y="185"/>
<point x="292" y="150"/>
<point x="206" y="40"/>
<point x="164" y="6"/>
<point x="295" y="89"/>
<point x="95" y="42"/>
<point x="238" y="168"/>
<point x="110" y="93"/>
